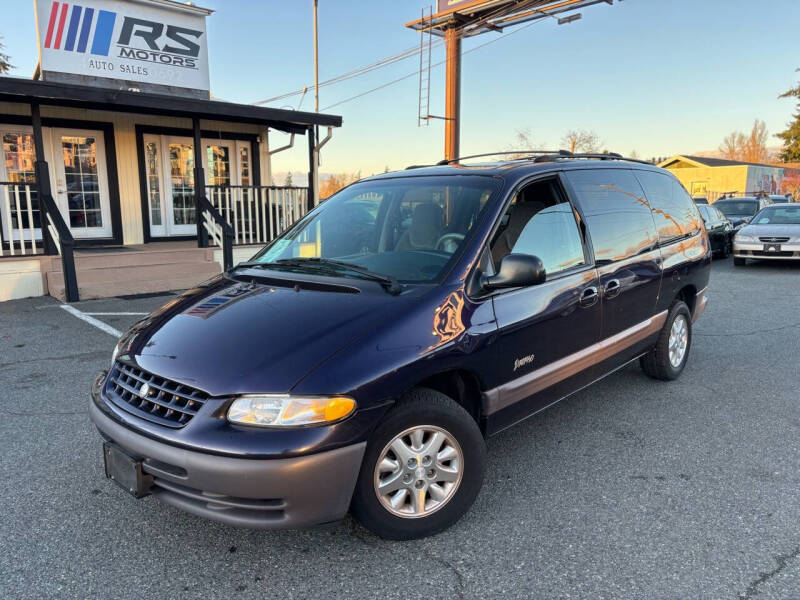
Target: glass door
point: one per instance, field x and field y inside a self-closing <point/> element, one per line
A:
<point x="179" y="165"/>
<point x="17" y="156"/>
<point x="81" y="182"/>
<point x="169" y="177"/>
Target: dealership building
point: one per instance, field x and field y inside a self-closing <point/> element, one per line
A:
<point x="118" y="172"/>
<point x="714" y="177"/>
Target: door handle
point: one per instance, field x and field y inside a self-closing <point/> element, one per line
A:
<point x="612" y="288"/>
<point x="589" y="297"/>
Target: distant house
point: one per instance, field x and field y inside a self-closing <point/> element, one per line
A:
<point x="713" y="177"/>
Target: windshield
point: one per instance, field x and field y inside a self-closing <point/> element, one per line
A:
<point x="737" y="208"/>
<point x="703" y="208"/>
<point x="778" y="215"/>
<point x="410" y="228"/>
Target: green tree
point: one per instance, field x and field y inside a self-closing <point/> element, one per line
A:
<point x="288" y="181"/>
<point x="5" y="66"/>
<point x="791" y="136"/>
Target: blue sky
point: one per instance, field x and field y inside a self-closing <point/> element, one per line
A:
<point x="657" y="77"/>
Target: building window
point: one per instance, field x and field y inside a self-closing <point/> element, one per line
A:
<point x="153" y="191"/>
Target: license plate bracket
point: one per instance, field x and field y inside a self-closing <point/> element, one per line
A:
<point x="126" y="471"/>
<point x="772" y="247"/>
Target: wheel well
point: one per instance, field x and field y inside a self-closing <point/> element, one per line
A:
<point x="689" y="295"/>
<point x="461" y="386"/>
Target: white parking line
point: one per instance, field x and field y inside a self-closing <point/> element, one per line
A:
<point x="114" y="314"/>
<point x="91" y="320"/>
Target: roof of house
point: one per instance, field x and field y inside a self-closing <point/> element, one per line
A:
<point x="16" y="89"/>
<point x="705" y="161"/>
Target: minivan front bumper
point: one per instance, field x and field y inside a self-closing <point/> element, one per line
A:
<point x="256" y="493"/>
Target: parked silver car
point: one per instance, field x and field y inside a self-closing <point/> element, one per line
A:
<point x="772" y="233"/>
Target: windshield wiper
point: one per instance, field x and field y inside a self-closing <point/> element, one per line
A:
<point x="389" y="283"/>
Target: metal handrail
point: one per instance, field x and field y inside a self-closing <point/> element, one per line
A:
<point x="64" y="241"/>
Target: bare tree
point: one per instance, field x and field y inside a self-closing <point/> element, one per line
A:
<point x="755" y="148"/>
<point x="523" y="140"/>
<point x="5" y="66"/>
<point x="747" y="148"/>
<point x="633" y="154"/>
<point x="732" y="146"/>
<point x="581" y="140"/>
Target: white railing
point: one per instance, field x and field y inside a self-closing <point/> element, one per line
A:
<point x="258" y="214"/>
<point x="19" y="213"/>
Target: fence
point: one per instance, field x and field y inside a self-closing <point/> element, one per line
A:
<point x="20" y="219"/>
<point x="258" y="214"/>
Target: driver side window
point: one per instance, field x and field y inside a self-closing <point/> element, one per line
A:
<point x="540" y="222"/>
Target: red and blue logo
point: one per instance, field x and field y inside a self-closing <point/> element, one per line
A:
<point x="76" y="36"/>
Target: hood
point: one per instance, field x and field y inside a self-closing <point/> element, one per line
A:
<point x="230" y="337"/>
<point x="767" y="230"/>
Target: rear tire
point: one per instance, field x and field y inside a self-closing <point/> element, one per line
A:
<point x="424" y="493"/>
<point x="723" y="253"/>
<point x="668" y="357"/>
<point x="739" y="262"/>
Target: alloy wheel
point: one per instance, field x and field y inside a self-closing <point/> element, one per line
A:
<point x="418" y="471"/>
<point x="678" y="341"/>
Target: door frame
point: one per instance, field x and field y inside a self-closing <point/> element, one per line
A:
<point x="206" y="135"/>
<point x="57" y="169"/>
<point x="112" y="173"/>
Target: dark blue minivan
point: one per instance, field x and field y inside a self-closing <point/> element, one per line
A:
<point x="361" y="359"/>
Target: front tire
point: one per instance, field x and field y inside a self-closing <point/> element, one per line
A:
<point x="668" y="357"/>
<point x="422" y="470"/>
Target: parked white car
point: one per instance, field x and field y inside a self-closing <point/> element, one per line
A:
<point x="773" y="233"/>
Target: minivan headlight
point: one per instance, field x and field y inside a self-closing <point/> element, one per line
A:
<point x="289" y="411"/>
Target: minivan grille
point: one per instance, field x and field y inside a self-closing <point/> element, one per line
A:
<point x="774" y="240"/>
<point x="164" y="402"/>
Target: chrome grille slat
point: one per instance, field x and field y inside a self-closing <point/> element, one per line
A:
<point x="774" y="240"/>
<point x="156" y="400"/>
<point x="173" y="404"/>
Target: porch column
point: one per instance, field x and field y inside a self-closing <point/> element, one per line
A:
<point x="199" y="184"/>
<point x="42" y="174"/>
<point x="312" y="168"/>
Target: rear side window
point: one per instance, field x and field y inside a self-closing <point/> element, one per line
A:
<point x="616" y="212"/>
<point x="674" y="211"/>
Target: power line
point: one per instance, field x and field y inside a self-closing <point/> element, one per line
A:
<point x="415" y="73"/>
<point x="354" y="73"/>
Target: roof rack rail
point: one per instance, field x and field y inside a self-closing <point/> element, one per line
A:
<point x="522" y="155"/>
<point x="585" y="155"/>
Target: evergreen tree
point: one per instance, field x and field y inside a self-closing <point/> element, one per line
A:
<point x="288" y="181"/>
<point x="5" y="66"/>
<point x="791" y="136"/>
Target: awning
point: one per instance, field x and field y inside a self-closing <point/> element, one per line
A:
<point x="14" y="89"/>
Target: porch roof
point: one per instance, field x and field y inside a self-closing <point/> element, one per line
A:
<point x="15" y="89"/>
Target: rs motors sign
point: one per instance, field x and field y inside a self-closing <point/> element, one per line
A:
<point x="153" y="41"/>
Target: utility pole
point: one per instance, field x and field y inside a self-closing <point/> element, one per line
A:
<point x="315" y="157"/>
<point x="452" y="101"/>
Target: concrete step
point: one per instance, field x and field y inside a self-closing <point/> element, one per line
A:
<point x="122" y="281"/>
<point x="100" y="260"/>
<point x="94" y="291"/>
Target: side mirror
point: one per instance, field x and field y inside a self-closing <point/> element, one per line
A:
<point x="516" y="270"/>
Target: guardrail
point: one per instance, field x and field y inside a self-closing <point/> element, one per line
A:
<point x="258" y="214"/>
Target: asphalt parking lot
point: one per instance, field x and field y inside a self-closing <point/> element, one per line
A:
<point x="629" y="489"/>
